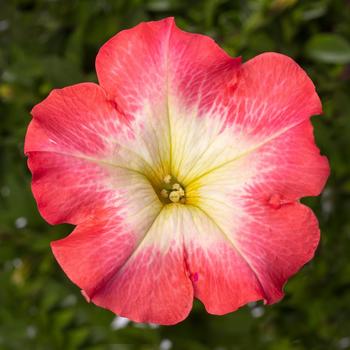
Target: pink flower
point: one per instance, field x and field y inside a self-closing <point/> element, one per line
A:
<point x="183" y="171"/>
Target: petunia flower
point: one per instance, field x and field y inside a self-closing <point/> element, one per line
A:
<point x="182" y="171"/>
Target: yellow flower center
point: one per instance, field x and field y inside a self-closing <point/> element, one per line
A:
<point x="172" y="191"/>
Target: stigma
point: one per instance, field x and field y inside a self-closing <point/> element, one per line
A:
<point x="172" y="191"/>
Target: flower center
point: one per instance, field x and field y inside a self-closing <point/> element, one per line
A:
<point x="172" y="191"/>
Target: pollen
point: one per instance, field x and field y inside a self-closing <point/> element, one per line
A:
<point x="174" y="196"/>
<point x="172" y="191"/>
<point x="167" y="179"/>
<point x="176" y="186"/>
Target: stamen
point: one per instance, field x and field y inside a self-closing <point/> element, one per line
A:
<point x="174" y="196"/>
<point x="176" y="186"/>
<point x="172" y="190"/>
<point x="167" y="179"/>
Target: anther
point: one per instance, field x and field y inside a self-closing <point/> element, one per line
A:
<point x="172" y="190"/>
<point x="167" y="179"/>
<point x="176" y="186"/>
<point x="174" y="196"/>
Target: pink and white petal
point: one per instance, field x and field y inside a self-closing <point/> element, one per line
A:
<point x="132" y="69"/>
<point x="70" y="188"/>
<point x="144" y="279"/>
<point x="156" y="60"/>
<point x="272" y="95"/>
<point x="77" y="118"/>
<point x="82" y="154"/>
<point x="288" y="168"/>
<point x="221" y="277"/>
<point x="95" y="248"/>
<point x="285" y="169"/>
<point x="253" y="203"/>
<point x="131" y="66"/>
<point x="247" y="254"/>
<point x="266" y="245"/>
<point x="81" y="120"/>
<point x="182" y="68"/>
<point x="277" y="242"/>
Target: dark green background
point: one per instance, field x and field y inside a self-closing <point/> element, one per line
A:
<point x="47" y="44"/>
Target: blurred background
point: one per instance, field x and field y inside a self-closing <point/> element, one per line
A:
<point x="53" y="43"/>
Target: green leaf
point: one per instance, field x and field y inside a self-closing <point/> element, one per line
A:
<point x="329" y="48"/>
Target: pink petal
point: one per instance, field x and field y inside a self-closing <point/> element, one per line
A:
<point x="276" y="242"/>
<point x="78" y="118"/>
<point x="268" y="235"/>
<point x="65" y="143"/>
<point x="145" y="279"/>
<point x="290" y="167"/>
<point x="221" y="278"/>
<point x="67" y="188"/>
<point x="251" y="254"/>
<point x="271" y="95"/>
<point x="155" y="60"/>
<point x="76" y="145"/>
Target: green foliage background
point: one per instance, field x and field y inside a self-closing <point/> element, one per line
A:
<point x="53" y="43"/>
